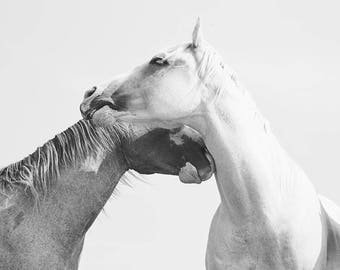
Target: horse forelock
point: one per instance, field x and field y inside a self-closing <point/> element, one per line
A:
<point x="66" y="149"/>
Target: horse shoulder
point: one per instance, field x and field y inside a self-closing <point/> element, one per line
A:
<point x="332" y="212"/>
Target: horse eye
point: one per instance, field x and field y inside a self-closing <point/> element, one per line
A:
<point x="159" y="61"/>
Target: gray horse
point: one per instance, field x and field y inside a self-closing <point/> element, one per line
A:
<point x="49" y="200"/>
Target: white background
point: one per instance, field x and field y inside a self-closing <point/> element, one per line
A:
<point x="286" y="53"/>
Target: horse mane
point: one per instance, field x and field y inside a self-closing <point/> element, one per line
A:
<point x="212" y="68"/>
<point x="215" y="74"/>
<point x="66" y="149"/>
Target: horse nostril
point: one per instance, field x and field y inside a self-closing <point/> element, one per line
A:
<point x="90" y="92"/>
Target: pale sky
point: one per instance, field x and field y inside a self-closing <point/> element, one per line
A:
<point x="285" y="52"/>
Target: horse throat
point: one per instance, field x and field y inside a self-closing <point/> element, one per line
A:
<point x="255" y="176"/>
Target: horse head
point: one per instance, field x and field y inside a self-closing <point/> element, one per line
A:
<point x="174" y="86"/>
<point x="179" y="151"/>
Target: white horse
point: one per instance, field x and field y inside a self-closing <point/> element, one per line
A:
<point x="270" y="216"/>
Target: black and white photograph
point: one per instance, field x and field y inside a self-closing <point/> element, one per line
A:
<point x="162" y="135"/>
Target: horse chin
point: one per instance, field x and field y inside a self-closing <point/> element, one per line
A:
<point x="189" y="174"/>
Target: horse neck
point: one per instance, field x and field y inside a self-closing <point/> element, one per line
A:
<point x="254" y="174"/>
<point x="78" y="196"/>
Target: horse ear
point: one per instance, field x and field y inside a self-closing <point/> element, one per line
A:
<point x="197" y="37"/>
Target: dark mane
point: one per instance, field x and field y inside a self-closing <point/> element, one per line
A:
<point x="65" y="149"/>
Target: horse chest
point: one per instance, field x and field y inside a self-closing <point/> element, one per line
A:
<point x="247" y="247"/>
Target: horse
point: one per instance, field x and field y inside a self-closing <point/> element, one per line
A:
<point x="270" y="215"/>
<point x="49" y="200"/>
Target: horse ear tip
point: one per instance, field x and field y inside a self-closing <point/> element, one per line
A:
<point x="197" y="35"/>
<point x="198" y="22"/>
